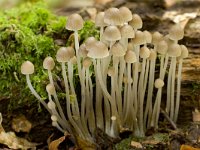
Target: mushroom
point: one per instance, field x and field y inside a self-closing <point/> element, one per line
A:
<point x="99" y="22"/>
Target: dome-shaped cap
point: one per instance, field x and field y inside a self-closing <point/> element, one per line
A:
<point x="130" y="57"/>
<point x="82" y="50"/>
<point x="152" y="55"/>
<point x="99" y="20"/>
<point x="74" y="22"/>
<point x="89" y="43"/>
<point x="126" y="13"/>
<point x="54" y="118"/>
<point x="27" y="68"/>
<point x="162" y="47"/>
<point x="112" y="33"/>
<point x="156" y="37"/>
<point x="99" y="50"/>
<point x="174" y="50"/>
<point x="111" y="71"/>
<point x="184" y="51"/>
<point x="51" y="105"/>
<point x="127" y="31"/>
<point x="87" y="62"/>
<point x="113" y="17"/>
<point x="136" y="22"/>
<point x="117" y="49"/>
<point x="64" y="54"/>
<point x="176" y="32"/>
<point x="50" y="89"/>
<point x="159" y="83"/>
<point x="148" y="36"/>
<point x="139" y="38"/>
<point x="144" y="52"/>
<point x="48" y="63"/>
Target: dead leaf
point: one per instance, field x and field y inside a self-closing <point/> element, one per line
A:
<point x="187" y="147"/>
<point x="21" y="124"/>
<point x="85" y="145"/>
<point x="136" y="144"/>
<point x="54" y="144"/>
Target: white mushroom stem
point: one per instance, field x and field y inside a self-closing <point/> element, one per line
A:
<point x="178" y="90"/>
<point x="101" y="32"/>
<point x="173" y="87"/>
<point x="35" y="93"/>
<point x="56" y="97"/>
<point x="114" y="127"/>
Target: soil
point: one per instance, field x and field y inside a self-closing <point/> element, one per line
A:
<point x="152" y="15"/>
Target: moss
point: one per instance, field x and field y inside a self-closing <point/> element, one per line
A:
<point x="28" y="33"/>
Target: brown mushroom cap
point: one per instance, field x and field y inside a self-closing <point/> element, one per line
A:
<point x="113" y="17"/>
<point x="136" y="22"/>
<point x="130" y="57"/>
<point x="27" y="68"/>
<point x="126" y="13"/>
<point x="99" y="50"/>
<point x="74" y="22"/>
<point x="152" y="55"/>
<point x="112" y="33"/>
<point x="176" y="32"/>
<point x="82" y="50"/>
<point x="64" y="54"/>
<point x="87" y="62"/>
<point x="48" y="63"/>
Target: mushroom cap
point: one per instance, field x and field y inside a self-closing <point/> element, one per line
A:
<point x="90" y="41"/>
<point x="112" y="33"/>
<point x="139" y="38"/>
<point x="48" y="63"/>
<point x="113" y="118"/>
<point x="159" y="83"/>
<point x="117" y="49"/>
<point x="184" y="51"/>
<point x="130" y="57"/>
<point x="162" y="47"/>
<point x="144" y="52"/>
<point x="99" y="50"/>
<point x="64" y="54"/>
<point x="87" y="62"/>
<point x="54" y="118"/>
<point x="153" y="55"/>
<point x="111" y="71"/>
<point x="125" y="80"/>
<point x="113" y="17"/>
<point x="50" y="89"/>
<point x="73" y="60"/>
<point x="127" y="31"/>
<point x="176" y="32"/>
<point x="136" y="22"/>
<point x="174" y="50"/>
<point x="156" y="37"/>
<point x="74" y="22"/>
<point x="27" y="68"/>
<point x="82" y="50"/>
<point x="148" y="36"/>
<point x="126" y="13"/>
<point x="99" y="20"/>
<point x="51" y="105"/>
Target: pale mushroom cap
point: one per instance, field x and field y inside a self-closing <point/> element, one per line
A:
<point x="148" y="36"/>
<point x="87" y="62"/>
<point x="54" y="118"/>
<point x="73" y="60"/>
<point x="126" y="13"/>
<point x="51" y="105"/>
<point x="113" y="17"/>
<point x="90" y="42"/>
<point x="184" y="51"/>
<point x="99" y="20"/>
<point x="153" y="55"/>
<point x="113" y="118"/>
<point x="48" y="63"/>
<point x="127" y="31"/>
<point x="136" y="22"/>
<point x="27" y="68"/>
<point x="176" y="32"/>
<point x="74" y="22"/>
<point x="50" y="89"/>
<point x="117" y="49"/>
<point x="64" y="54"/>
<point x="156" y="37"/>
<point x="174" y="50"/>
<point x="162" y="47"/>
<point x="125" y="80"/>
<point x="100" y="50"/>
<point x="144" y="52"/>
<point x="111" y="71"/>
<point x="130" y="57"/>
<point x="112" y="33"/>
<point x="139" y="38"/>
<point x="159" y="83"/>
<point x="82" y="50"/>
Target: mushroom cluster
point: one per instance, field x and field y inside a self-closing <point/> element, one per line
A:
<point x="120" y="94"/>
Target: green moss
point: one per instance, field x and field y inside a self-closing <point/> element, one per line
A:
<point x="28" y="33"/>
